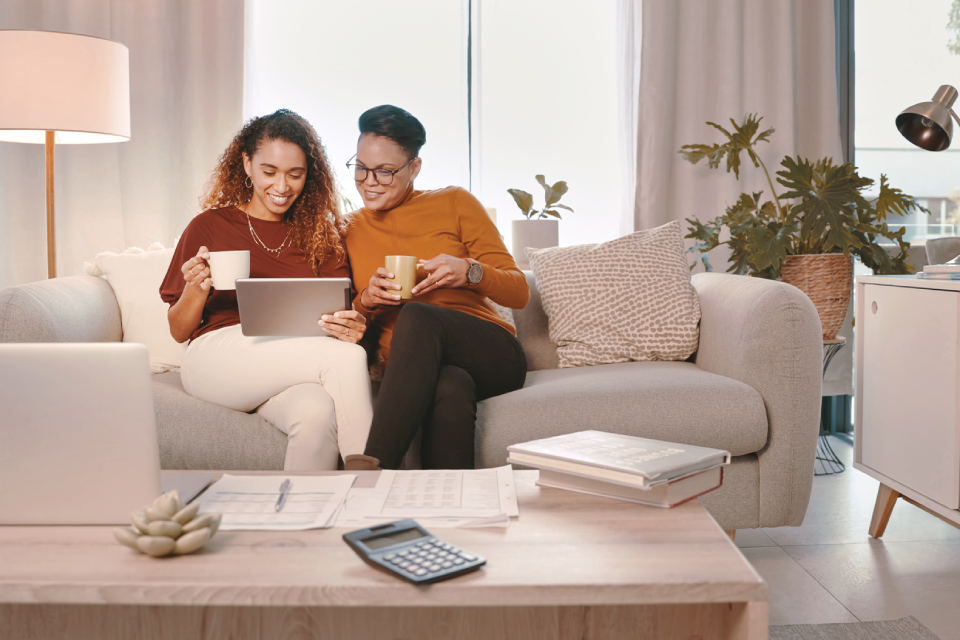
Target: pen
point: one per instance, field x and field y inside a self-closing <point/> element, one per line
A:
<point x="284" y="490"/>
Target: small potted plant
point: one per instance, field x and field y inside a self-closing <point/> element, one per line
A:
<point x="807" y="235"/>
<point x="536" y="231"/>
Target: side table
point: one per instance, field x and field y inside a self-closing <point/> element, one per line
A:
<point x="827" y="462"/>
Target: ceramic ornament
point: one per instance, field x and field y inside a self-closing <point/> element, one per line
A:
<point x="167" y="527"/>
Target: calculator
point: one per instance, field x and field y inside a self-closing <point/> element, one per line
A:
<point x="406" y="549"/>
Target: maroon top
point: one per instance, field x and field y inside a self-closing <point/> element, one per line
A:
<point x="227" y="230"/>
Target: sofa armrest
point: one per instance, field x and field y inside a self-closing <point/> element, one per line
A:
<point x="767" y="334"/>
<point x="73" y="309"/>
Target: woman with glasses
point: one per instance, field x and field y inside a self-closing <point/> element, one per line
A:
<point x="273" y="194"/>
<point x="447" y="348"/>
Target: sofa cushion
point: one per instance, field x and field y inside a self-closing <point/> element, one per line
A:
<point x="628" y="299"/>
<point x="533" y="330"/>
<point x="194" y="434"/>
<point x="672" y="401"/>
<point x="135" y="276"/>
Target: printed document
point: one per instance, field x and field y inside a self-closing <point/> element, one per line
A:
<point x="435" y="498"/>
<point x="248" y="503"/>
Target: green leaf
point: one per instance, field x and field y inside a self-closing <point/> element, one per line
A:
<point x="563" y="206"/>
<point x="547" y="191"/>
<point x="741" y="140"/>
<point x="524" y="200"/>
<point x="829" y="197"/>
<point x="894" y="201"/>
<point x="698" y="152"/>
<point x="769" y="244"/>
<point x="550" y="212"/>
<point x="556" y="192"/>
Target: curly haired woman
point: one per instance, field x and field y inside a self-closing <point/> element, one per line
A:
<point x="273" y="194"/>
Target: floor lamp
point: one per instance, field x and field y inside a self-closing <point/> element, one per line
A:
<point x="62" y="88"/>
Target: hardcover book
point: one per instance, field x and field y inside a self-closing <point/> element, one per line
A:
<point x="936" y="275"/>
<point x="626" y="460"/>
<point x="942" y="268"/>
<point x="669" y="494"/>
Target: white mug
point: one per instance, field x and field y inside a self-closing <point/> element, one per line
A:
<point x="227" y="266"/>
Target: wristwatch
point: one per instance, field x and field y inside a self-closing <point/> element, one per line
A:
<point x="474" y="273"/>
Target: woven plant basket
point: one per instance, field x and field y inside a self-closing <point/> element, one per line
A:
<point x="827" y="279"/>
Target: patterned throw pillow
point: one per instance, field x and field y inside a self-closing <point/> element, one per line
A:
<point x="626" y="300"/>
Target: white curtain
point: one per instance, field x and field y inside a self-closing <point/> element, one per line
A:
<point x="629" y="51"/>
<point x="713" y="60"/>
<point x="720" y="59"/>
<point x="186" y="86"/>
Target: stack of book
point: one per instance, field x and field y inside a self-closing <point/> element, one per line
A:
<point x="662" y="474"/>
<point x="949" y="271"/>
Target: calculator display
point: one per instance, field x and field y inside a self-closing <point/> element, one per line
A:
<point x="392" y="538"/>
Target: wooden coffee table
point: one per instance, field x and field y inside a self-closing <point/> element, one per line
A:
<point x="573" y="566"/>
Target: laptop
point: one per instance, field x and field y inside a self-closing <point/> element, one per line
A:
<point x="290" y="306"/>
<point x="78" y="442"/>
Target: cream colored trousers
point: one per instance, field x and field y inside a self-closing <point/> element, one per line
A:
<point x="316" y="390"/>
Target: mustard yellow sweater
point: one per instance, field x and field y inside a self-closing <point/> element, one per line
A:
<point x="426" y="224"/>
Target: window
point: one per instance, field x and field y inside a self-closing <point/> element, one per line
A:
<point x="902" y="57"/>
<point x="331" y="61"/>
<point x="542" y="88"/>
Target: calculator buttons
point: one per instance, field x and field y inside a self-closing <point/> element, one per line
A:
<point x="433" y="541"/>
<point x="468" y="556"/>
<point x="446" y="565"/>
<point x="458" y="561"/>
<point x="404" y="564"/>
<point x="431" y="556"/>
<point x="420" y="572"/>
<point x="390" y="556"/>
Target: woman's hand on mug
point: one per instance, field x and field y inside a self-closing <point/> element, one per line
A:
<point x="380" y="290"/>
<point x="196" y="270"/>
<point x="443" y="272"/>
<point x="348" y="326"/>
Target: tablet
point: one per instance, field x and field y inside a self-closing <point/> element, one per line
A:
<point x="289" y="306"/>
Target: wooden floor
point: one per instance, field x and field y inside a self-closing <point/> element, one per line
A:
<point x="831" y="570"/>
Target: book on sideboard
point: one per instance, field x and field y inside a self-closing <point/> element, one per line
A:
<point x="628" y="461"/>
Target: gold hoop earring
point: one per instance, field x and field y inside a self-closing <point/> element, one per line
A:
<point x="249" y="183"/>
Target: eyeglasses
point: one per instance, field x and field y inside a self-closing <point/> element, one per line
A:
<point x="382" y="176"/>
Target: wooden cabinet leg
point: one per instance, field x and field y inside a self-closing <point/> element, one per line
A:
<point x="886" y="499"/>
<point x="732" y="533"/>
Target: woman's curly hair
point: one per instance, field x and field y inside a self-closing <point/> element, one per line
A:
<point x="314" y="222"/>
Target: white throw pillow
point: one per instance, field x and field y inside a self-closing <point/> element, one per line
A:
<point x="135" y="276"/>
<point x="626" y="300"/>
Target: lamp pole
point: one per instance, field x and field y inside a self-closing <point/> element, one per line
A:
<point x="51" y="229"/>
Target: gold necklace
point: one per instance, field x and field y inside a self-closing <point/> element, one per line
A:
<point x="253" y="233"/>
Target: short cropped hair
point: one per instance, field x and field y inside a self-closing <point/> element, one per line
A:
<point x="397" y="124"/>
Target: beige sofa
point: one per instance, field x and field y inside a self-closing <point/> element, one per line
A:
<point x="753" y="388"/>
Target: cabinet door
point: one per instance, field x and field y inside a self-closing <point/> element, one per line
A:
<point x="909" y="431"/>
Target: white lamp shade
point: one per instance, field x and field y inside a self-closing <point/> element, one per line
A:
<point x="77" y="86"/>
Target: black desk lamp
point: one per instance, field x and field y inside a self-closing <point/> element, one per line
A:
<point x="927" y="124"/>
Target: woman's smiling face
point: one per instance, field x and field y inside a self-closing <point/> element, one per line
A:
<point x="278" y="170"/>
<point x="379" y="152"/>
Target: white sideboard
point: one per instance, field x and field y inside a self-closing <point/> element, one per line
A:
<point x="907" y="417"/>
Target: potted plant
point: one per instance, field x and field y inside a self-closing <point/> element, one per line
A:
<point x="807" y="235"/>
<point x="536" y="230"/>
